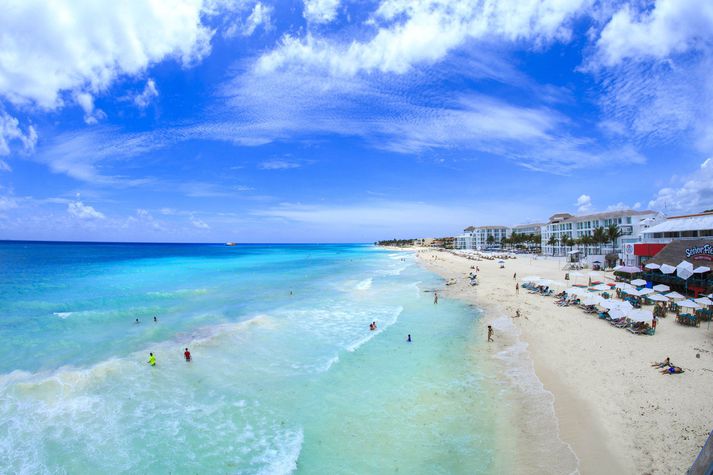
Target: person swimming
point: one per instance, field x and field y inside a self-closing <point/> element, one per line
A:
<point x="187" y="355"/>
<point x="372" y="326"/>
<point x="155" y="320"/>
<point x="408" y="338"/>
<point x="152" y="359"/>
<point x="137" y="322"/>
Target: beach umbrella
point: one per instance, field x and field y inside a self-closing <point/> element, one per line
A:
<point x="688" y="304"/>
<point x="662" y="288"/>
<point x="667" y="269"/>
<point x="684" y="270"/>
<point x="600" y="287"/>
<point x="703" y="301"/>
<point x="616" y="268"/>
<point x="652" y="265"/>
<point x="629" y="270"/>
<point x="592" y="299"/>
<point x="632" y="291"/>
<point x="675" y="296"/>
<point x="638" y="282"/>
<point x="617" y="312"/>
<point x="622" y="285"/>
<point x="640" y="315"/>
<point x="501" y="261"/>
<point x="657" y="298"/>
<point x="574" y="291"/>
<point x="701" y="270"/>
<point x="646" y="291"/>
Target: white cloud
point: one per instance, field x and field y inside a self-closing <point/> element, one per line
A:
<point x="278" y="165"/>
<point x="695" y="195"/>
<point x="4" y="166"/>
<point x="670" y="27"/>
<point x="149" y="93"/>
<point x="86" y="102"/>
<point x="584" y="203"/>
<point x="623" y="206"/>
<point x="85" y="46"/>
<point x="408" y="32"/>
<point x="200" y="224"/>
<point x="320" y="11"/>
<point x="259" y="16"/>
<point x="82" y="211"/>
<point x="10" y="132"/>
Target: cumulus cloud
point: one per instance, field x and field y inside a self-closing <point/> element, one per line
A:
<point x="670" y="27"/>
<point x="584" y="203"/>
<point x="410" y="32"/>
<point x="84" y="46"/>
<point x="320" y="11"/>
<point x="695" y="195"/>
<point x="83" y="212"/>
<point x="11" y="133"/>
<point x="149" y="93"/>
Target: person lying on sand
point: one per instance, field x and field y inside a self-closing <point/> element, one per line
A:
<point x="663" y="364"/>
<point x="672" y="370"/>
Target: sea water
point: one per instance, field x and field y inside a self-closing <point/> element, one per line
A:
<point x="286" y="376"/>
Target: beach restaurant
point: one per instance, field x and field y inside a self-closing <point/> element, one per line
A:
<point x="684" y="265"/>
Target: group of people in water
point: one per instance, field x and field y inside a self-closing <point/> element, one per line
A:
<point x="666" y="367"/>
<point x="372" y="327"/>
<point x="186" y="356"/>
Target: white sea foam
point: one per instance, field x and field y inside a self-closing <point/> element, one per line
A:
<point x="62" y="315"/>
<point x="365" y="284"/>
<point x="382" y="325"/>
<point x="284" y="459"/>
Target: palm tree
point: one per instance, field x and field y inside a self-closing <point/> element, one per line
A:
<point x="552" y="242"/>
<point x="613" y="234"/>
<point x="599" y="236"/>
<point x="490" y="240"/>
<point x="566" y="241"/>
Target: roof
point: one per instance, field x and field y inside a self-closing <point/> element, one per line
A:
<point x="695" y="222"/>
<point x="533" y="225"/>
<point x="469" y="229"/>
<point x="605" y="215"/>
<point x="675" y="252"/>
<point x="490" y="227"/>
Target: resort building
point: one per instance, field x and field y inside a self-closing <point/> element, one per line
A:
<point x="631" y="223"/>
<point x="482" y="237"/>
<point x="535" y="228"/>
<point x="662" y="268"/>
<point x="676" y="228"/>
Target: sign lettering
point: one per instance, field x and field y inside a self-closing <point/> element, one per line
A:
<point x="700" y="253"/>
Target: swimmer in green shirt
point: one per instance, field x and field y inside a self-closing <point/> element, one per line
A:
<point x="152" y="359"/>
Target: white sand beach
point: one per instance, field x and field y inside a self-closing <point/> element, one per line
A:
<point x="618" y="414"/>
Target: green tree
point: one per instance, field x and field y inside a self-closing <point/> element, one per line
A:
<point x="490" y="240"/>
<point x="599" y="237"/>
<point x="613" y="234"/>
<point x="552" y="242"/>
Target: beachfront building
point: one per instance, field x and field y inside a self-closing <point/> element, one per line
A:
<point x="563" y="229"/>
<point x="534" y="228"/>
<point x="662" y="268"/>
<point x="675" y="228"/>
<point x="482" y="237"/>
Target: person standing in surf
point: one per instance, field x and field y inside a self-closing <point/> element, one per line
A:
<point x="152" y="359"/>
<point x="435" y="296"/>
<point x="187" y="355"/>
<point x="490" y="333"/>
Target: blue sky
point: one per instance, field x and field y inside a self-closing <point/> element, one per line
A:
<point x="329" y="120"/>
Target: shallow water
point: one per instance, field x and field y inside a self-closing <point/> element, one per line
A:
<point x="279" y="382"/>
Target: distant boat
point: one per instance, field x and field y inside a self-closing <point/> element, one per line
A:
<point x="230" y="244"/>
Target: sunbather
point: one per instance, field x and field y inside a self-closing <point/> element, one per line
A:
<point x="663" y="364"/>
<point x="672" y="370"/>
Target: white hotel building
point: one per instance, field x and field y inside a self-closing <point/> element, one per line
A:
<point x="632" y="223"/>
<point x="476" y="237"/>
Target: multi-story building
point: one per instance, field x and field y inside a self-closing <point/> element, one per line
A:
<point x="631" y="223"/>
<point x="690" y="226"/>
<point x="534" y="228"/>
<point x="482" y="237"/>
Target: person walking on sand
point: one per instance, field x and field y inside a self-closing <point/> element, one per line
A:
<point x="514" y="276"/>
<point x="435" y="297"/>
<point x="517" y="288"/>
<point x="490" y="333"/>
<point x="152" y="359"/>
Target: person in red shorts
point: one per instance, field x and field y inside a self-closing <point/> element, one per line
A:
<point x="187" y="355"/>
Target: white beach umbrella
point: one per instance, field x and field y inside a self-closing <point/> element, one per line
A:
<point x="657" y="298"/>
<point x="622" y="285"/>
<point x="646" y="291"/>
<point x="638" y="282"/>
<point x="616" y="268"/>
<point x="632" y="291"/>
<point x="701" y="270"/>
<point x="592" y="299"/>
<point x="662" y="288"/>
<point x="617" y="312"/>
<point x="684" y="270"/>
<point x="675" y="296"/>
<point x="688" y="304"/>
<point x="652" y="265"/>
<point x="703" y="301"/>
<point x="501" y="261"/>
<point x="600" y="287"/>
<point x="574" y="291"/>
<point x="640" y="315"/>
<point x="667" y="269"/>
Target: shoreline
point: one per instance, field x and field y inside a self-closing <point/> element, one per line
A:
<point x="617" y="413"/>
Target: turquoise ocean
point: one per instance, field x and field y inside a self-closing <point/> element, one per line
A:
<point x="286" y="376"/>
